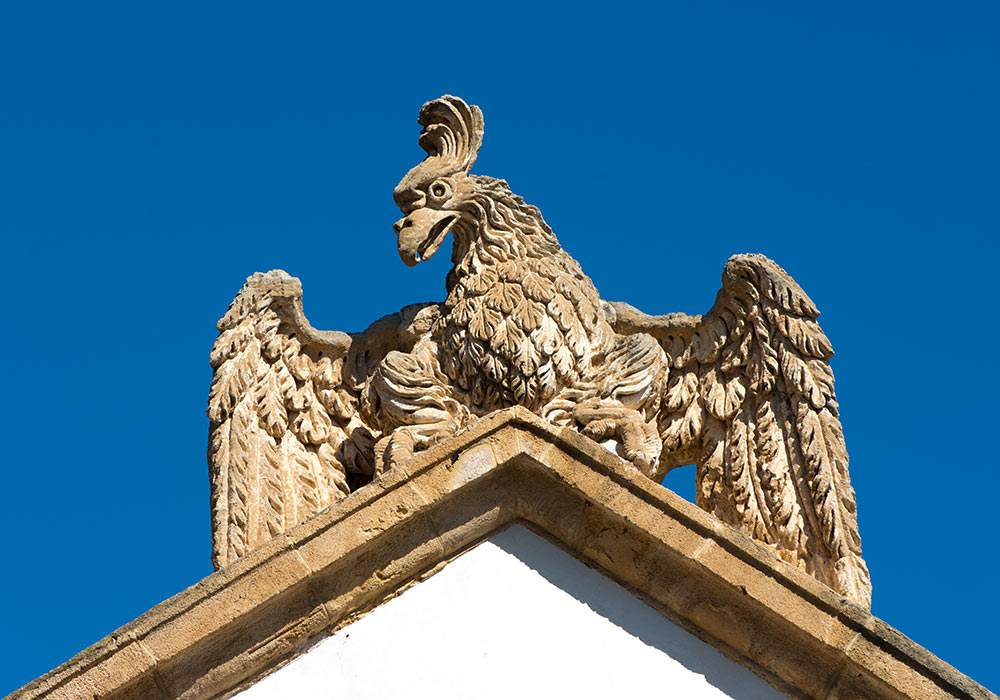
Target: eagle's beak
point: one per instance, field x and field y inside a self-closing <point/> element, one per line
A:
<point x="422" y="232"/>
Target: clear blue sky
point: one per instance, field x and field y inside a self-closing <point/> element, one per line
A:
<point x="154" y="155"/>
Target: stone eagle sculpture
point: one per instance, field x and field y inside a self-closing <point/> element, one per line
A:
<point x="299" y="417"/>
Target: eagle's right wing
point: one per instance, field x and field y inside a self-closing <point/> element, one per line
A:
<point x="285" y="431"/>
<point x="288" y="432"/>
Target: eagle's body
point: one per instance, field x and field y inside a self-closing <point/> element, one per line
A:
<point x="521" y="319"/>
<point x="521" y="325"/>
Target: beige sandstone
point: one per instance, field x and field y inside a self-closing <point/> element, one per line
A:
<point x="300" y="418"/>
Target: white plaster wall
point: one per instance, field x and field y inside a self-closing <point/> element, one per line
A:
<point x="515" y="617"/>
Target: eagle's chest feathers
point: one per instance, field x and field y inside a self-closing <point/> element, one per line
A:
<point x="517" y="330"/>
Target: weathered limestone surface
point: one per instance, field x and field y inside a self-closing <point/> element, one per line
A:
<point x="511" y="467"/>
<point x="300" y="418"/>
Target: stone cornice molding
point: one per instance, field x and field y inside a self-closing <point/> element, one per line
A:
<point x="243" y="621"/>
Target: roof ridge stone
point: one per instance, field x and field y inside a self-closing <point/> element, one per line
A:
<point x="246" y="619"/>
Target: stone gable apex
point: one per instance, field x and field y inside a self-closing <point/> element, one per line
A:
<point x="243" y="621"/>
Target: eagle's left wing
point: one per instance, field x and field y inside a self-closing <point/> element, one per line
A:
<point x="750" y="400"/>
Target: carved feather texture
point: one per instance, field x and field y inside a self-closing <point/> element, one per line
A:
<point x="753" y="393"/>
<point x="283" y="427"/>
<point x="745" y="391"/>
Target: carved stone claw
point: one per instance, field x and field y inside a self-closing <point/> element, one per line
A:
<point x="637" y="441"/>
<point x="398" y="449"/>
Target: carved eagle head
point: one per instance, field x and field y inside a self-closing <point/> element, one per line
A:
<point x="433" y="194"/>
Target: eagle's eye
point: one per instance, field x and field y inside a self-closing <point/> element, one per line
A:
<point x="439" y="190"/>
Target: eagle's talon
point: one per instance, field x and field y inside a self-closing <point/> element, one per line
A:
<point x="399" y="450"/>
<point x="638" y="440"/>
<point x="601" y="429"/>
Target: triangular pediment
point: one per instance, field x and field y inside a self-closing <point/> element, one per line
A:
<point x="513" y="617"/>
<point x="510" y="470"/>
